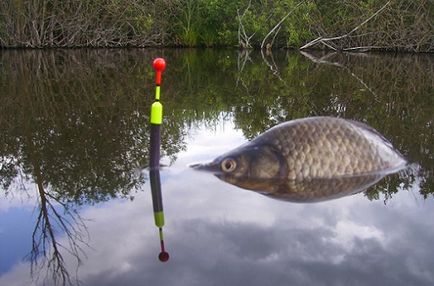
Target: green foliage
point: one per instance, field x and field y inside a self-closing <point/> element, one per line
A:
<point x="209" y="23"/>
<point x="205" y="23"/>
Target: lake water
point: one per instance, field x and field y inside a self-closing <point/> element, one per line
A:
<point x="75" y="201"/>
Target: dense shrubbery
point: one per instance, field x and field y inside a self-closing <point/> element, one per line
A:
<point x="403" y="25"/>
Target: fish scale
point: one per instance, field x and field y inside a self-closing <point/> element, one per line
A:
<point x="343" y="148"/>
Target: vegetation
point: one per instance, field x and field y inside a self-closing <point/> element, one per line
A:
<point x="401" y="25"/>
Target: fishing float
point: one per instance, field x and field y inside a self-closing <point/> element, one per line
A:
<point x="159" y="65"/>
<point x="156" y="119"/>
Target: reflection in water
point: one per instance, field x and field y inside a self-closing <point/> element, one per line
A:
<point x="157" y="203"/>
<point x="79" y="135"/>
<point x="47" y="254"/>
<point x="76" y="122"/>
<point x="306" y="190"/>
<point x="54" y="216"/>
<point x="390" y="93"/>
<point x="88" y="120"/>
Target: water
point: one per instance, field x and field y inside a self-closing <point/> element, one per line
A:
<point x="76" y="205"/>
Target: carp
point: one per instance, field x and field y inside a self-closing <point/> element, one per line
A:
<point x="295" y="156"/>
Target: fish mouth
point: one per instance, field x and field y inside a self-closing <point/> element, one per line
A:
<point x="212" y="167"/>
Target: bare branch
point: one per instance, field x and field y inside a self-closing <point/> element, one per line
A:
<point x="243" y="39"/>
<point x="324" y="60"/>
<point x="273" y="67"/>
<point x="325" y="41"/>
<point x="46" y="250"/>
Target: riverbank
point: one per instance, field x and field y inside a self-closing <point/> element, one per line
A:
<point x="397" y="25"/>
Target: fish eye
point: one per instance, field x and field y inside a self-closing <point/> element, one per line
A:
<point x="228" y="165"/>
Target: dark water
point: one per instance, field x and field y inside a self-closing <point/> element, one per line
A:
<point x="75" y="202"/>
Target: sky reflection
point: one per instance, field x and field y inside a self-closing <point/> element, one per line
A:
<point x="218" y="234"/>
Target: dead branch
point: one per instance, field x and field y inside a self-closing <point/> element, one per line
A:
<point x="329" y="41"/>
<point x="46" y="248"/>
<point x="243" y="38"/>
<point x="324" y="60"/>
<point x="243" y="58"/>
<point x="273" y="67"/>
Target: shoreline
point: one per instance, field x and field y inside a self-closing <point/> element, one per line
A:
<point x="254" y="49"/>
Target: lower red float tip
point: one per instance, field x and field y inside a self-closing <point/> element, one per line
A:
<point x="163" y="256"/>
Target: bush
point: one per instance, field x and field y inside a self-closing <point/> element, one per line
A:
<point x="403" y="25"/>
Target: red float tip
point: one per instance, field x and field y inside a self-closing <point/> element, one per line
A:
<point x="159" y="64"/>
<point x="163" y="256"/>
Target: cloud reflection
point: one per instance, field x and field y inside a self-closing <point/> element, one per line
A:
<point x="348" y="241"/>
<point x="218" y="234"/>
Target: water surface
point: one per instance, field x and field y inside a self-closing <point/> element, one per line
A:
<point x="75" y="202"/>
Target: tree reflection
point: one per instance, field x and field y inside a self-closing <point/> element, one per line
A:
<point x="88" y="112"/>
<point x="87" y="127"/>
<point x="47" y="250"/>
<point x="75" y="124"/>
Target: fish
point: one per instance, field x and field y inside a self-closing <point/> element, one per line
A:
<point x="309" y="159"/>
